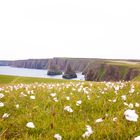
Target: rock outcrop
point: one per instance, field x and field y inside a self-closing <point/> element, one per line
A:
<point x="69" y="72"/>
<point x="53" y="68"/>
<point x="109" y="72"/>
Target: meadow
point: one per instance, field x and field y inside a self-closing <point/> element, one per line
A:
<point x="49" y="109"/>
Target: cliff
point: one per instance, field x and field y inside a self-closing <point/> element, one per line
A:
<point x="78" y="64"/>
<point x="110" y="72"/>
<point x="4" y="63"/>
<point x="93" y="69"/>
<point x="30" y="63"/>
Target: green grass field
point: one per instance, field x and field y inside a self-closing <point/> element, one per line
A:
<point x="43" y="102"/>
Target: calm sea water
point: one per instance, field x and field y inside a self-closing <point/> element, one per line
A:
<point x="6" y="70"/>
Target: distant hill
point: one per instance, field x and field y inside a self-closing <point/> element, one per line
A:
<point x="4" y="62"/>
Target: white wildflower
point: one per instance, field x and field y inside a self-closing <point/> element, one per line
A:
<point x="88" y="132"/>
<point x="30" y="125"/>
<point x="137" y="105"/>
<point x="126" y="104"/>
<point x="123" y="97"/>
<point x="116" y="92"/>
<point x="1" y="104"/>
<point x="131" y="115"/>
<point x="103" y="92"/>
<point x="130" y="105"/>
<point x="137" y="138"/>
<point x="114" y="101"/>
<point x="55" y="99"/>
<point x="115" y="119"/>
<point x="58" y="136"/>
<point x="131" y="90"/>
<point x="17" y="106"/>
<point x="1" y="95"/>
<point x="117" y="88"/>
<point x="1" y="89"/>
<point x="78" y="103"/>
<point x="68" y="98"/>
<point x="53" y="94"/>
<point x="5" y="115"/>
<point x="88" y="97"/>
<point x="32" y="97"/>
<point x="22" y="94"/>
<point x="68" y="108"/>
<point x="106" y="115"/>
<point x="99" y="120"/>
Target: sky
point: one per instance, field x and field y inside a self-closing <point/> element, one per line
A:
<point x="69" y="28"/>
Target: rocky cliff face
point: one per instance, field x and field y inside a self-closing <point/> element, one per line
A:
<point x="30" y="63"/>
<point x="93" y="69"/>
<point x="77" y="63"/>
<point x="108" y="72"/>
<point x="4" y="63"/>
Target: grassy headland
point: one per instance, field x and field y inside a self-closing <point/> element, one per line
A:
<point x="65" y="107"/>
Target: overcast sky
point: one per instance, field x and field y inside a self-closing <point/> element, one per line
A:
<point x="69" y="28"/>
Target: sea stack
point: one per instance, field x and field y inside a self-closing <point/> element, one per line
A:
<point x="69" y="72"/>
<point x="53" y="68"/>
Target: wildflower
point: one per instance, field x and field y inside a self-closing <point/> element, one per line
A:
<point x="55" y="99"/>
<point x="78" y="103"/>
<point x="1" y="95"/>
<point x="125" y="103"/>
<point x="131" y="115"/>
<point x="53" y="94"/>
<point x="137" y="105"/>
<point x="115" y="119"/>
<point x="102" y="92"/>
<point x="22" y="94"/>
<point x="68" y="98"/>
<point x="123" y="97"/>
<point x="99" y="120"/>
<point x="88" y="132"/>
<point x="5" y="115"/>
<point x="68" y="108"/>
<point x="116" y="92"/>
<point x="58" y="137"/>
<point x="88" y="97"/>
<point x="17" y="106"/>
<point x="30" y="125"/>
<point x="130" y="105"/>
<point x="32" y="97"/>
<point x="137" y="138"/>
<point x="106" y="115"/>
<point x="1" y="104"/>
<point x="131" y="90"/>
<point x="117" y="88"/>
<point x="114" y="101"/>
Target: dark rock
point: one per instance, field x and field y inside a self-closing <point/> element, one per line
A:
<point x="69" y="72"/>
<point x="53" y="68"/>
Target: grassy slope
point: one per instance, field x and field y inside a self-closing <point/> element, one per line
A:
<point x="5" y="79"/>
<point x="50" y="118"/>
